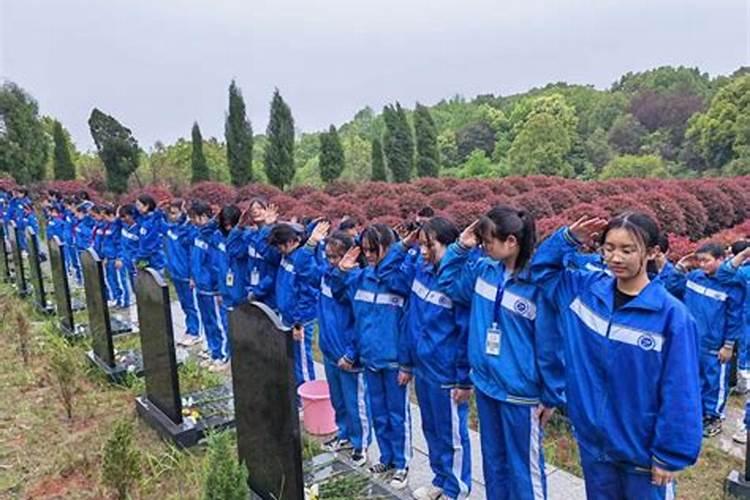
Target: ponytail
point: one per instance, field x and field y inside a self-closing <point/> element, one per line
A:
<point x="503" y="221"/>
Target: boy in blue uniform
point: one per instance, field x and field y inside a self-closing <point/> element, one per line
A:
<point x="110" y="253"/>
<point x="129" y="242"/>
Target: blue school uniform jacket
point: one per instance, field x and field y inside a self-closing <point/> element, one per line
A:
<point x="263" y="265"/>
<point x="151" y="240"/>
<point x="178" y="240"/>
<point x="587" y="262"/>
<point x="378" y="315"/>
<point x="296" y="288"/>
<point x="728" y="274"/>
<point x="632" y="384"/>
<point x="203" y="270"/>
<point x="718" y="308"/>
<point x="529" y="368"/>
<point x="129" y="242"/>
<point x="112" y="235"/>
<point x="434" y="342"/>
<point x="231" y="263"/>
<point x="84" y="232"/>
<point x="56" y="227"/>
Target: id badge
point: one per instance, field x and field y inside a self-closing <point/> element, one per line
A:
<point x="254" y="277"/>
<point x="230" y="279"/>
<point x="494" y="339"/>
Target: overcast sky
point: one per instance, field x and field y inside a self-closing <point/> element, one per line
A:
<point x="158" y="65"/>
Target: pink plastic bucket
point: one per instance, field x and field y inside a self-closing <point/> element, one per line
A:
<point x="319" y="418"/>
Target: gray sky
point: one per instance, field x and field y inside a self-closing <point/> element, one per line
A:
<point x="158" y="65"/>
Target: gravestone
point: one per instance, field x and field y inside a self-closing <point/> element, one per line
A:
<point x="737" y="484"/>
<point x="102" y="354"/>
<point x="63" y="300"/>
<point x="37" y="276"/>
<point x="22" y="286"/>
<point x="265" y="402"/>
<point x="162" y="404"/>
<point x="4" y="259"/>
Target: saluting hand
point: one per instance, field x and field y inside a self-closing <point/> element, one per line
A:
<point x="468" y="238"/>
<point x="320" y="232"/>
<point x="271" y="214"/>
<point x="585" y="228"/>
<point x="349" y="260"/>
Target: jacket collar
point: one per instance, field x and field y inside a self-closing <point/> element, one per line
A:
<point x="651" y="298"/>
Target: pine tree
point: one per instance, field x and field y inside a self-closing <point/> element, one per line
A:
<point x="398" y="143"/>
<point x="428" y="159"/>
<point x="331" y="155"/>
<point x="279" y="154"/>
<point x="198" y="161"/>
<point x="224" y="478"/>
<point x="63" y="165"/>
<point x="378" y="162"/>
<point x="117" y="149"/>
<point x="238" y="133"/>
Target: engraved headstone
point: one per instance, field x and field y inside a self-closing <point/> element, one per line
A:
<point x="4" y="258"/>
<point x="18" y="266"/>
<point x="63" y="300"/>
<point x="37" y="276"/>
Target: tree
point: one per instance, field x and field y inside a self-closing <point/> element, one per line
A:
<point x="626" y="135"/>
<point x="597" y="149"/>
<point x="239" y="136"/>
<point x="331" y="155"/>
<point x="478" y="135"/>
<point x="634" y="166"/>
<point x="279" y="153"/>
<point x="378" y="162"/>
<point x="24" y="146"/>
<point x="223" y="477"/>
<point x="541" y="148"/>
<point x="64" y="168"/>
<point x="198" y="164"/>
<point x="448" y="149"/>
<point x="428" y="160"/>
<point x="117" y="149"/>
<point x="398" y="143"/>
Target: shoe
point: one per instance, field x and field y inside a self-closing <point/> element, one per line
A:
<point x="111" y="303"/>
<point x="740" y="436"/>
<point x="400" y="479"/>
<point x="359" y="458"/>
<point x="188" y="340"/>
<point x="219" y="365"/>
<point x="206" y="363"/>
<point x="430" y="492"/>
<point x="712" y="427"/>
<point x="204" y="354"/>
<point x="379" y="468"/>
<point x="337" y="444"/>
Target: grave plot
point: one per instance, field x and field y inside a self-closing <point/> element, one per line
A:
<point x="38" y="282"/>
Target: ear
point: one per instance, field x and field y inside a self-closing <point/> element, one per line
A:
<point x="511" y="240"/>
<point x="652" y="252"/>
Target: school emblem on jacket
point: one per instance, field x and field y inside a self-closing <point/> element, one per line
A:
<point x="646" y="342"/>
<point x="521" y="306"/>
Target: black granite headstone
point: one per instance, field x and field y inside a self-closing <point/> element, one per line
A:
<point x="265" y="402"/>
<point x="162" y="406"/>
<point x="4" y="260"/>
<point x="63" y="301"/>
<point x="37" y="276"/>
<point x="18" y="266"/>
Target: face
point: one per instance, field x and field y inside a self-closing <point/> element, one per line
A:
<point x="500" y="249"/>
<point x="334" y="254"/>
<point x="257" y="212"/>
<point x="373" y="254"/>
<point x="431" y="249"/>
<point x="708" y="263"/>
<point x="128" y="220"/>
<point x="199" y="220"/>
<point x="288" y="247"/>
<point x="142" y="207"/>
<point x="624" y="255"/>
<point x="174" y="213"/>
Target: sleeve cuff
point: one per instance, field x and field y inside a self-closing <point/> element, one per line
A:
<point x="570" y="237"/>
<point x="405" y="369"/>
<point x="729" y="343"/>
<point x="663" y="465"/>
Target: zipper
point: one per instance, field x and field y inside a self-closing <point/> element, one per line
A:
<point x="605" y="384"/>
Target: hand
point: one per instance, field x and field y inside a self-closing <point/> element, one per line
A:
<point x="686" y="261"/>
<point x="404" y="378"/>
<point x="344" y="364"/>
<point x="585" y="228"/>
<point x="118" y="264"/>
<point x="320" y="232"/>
<point x="219" y="300"/>
<point x="544" y="414"/>
<point x="271" y="214"/>
<point x="460" y="395"/>
<point x="191" y="283"/>
<point x="661" y="477"/>
<point x="740" y="258"/>
<point x="349" y="260"/>
<point x="298" y="333"/>
<point x="468" y="238"/>
<point x="660" y="260"/>
<point x="725" y="354"/>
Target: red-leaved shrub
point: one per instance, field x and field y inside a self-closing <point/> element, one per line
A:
<point x="257" y="190"/>
<point x="441" y="201"/>
<point x="718" y="205"/>
<point x="428" y="185"/>
<point x="534" y="203"/>
<point x="464" y="213"/>
<point x="560" y="198"/>
<point x="668" y="212"/>
<point x="472" y="191"/>
<point x="214" y="193"/>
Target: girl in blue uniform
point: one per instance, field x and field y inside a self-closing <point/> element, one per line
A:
<point x="151" y="237"/>
<point x="631" y="361"/>
<point x="263" y="258"/>
<point x="129" y="239"/>
<point x="110" y="253"/>
<point x="514" y="348"/>
<point x="378" y="316"/>
<point x="433" y="350"/>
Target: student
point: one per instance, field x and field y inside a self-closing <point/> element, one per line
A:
<point x="178" y="244"/>
<point x="151" y="238"/>
<point x="424" y="214"/>
<point x="659" y="268"/>
<point x="110" y="253"/>
<point x="232" y="257"/>
<point x="296" y="294"/>
<point x="632" y="384"/>
<point x="344" y="373"/>
<point x="83" y="227"/>
<point x="204" y="277"/>
<point x="378" y="316"/>
<point x="514" y="347"/>
<point x="129" y="243"/>
<point x="717" y="307"/>
<point x="264" y="259"/>
<point x="433" y="349"/>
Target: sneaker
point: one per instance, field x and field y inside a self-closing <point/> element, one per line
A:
<point x="430" y="492"/>
<point x="712" y="427"/>
<point x="188" y="340"/>
<point x="379" y="468"/>
<point x="400" y="479"/>
<point x="219" y="365"/>
<point x="204" y="354"/>
<point x="359" y="458"/>
<point x="741" y="435"/>
<point x="111" y="303"/>
<point x="206" y="363"/>
<point x="337" y="444"/>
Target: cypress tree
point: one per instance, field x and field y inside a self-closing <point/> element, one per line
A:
<point x="428" y="159"/>
<point x="279" y="154"/>
<point x="117" y="149"/>
<point x="378" y="162"/>
<point x="198" y="163"/>
<point x="238" y="133"/>
<point x="24" y="145"/>
<point x="331" y="155"/>
<point x="398" y="143"/>
<point x="63" y="165"/>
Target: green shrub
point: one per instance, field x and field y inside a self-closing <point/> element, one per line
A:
<point x="121" y="466"/>
<point x="224" y="477"/>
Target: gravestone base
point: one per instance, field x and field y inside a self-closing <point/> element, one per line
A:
<point x="120" y="327"/>
<point x="46" y="309"/>
<point x="204" y="411"/>
<point x="329" y="467"/>
<point x="126" y="362"/>
<point x="735" y="486"/>
<point x="76" y="333"/>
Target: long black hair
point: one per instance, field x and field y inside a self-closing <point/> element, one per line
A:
<point x="284" y="232"/>
<point x="376" y="236"/>
<point x="441" y="230"/>
<point x="229" y="215"/>
<point x="502" y="222"/>
<point x="642" y="227"/>
<point x="149" y="201"/>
